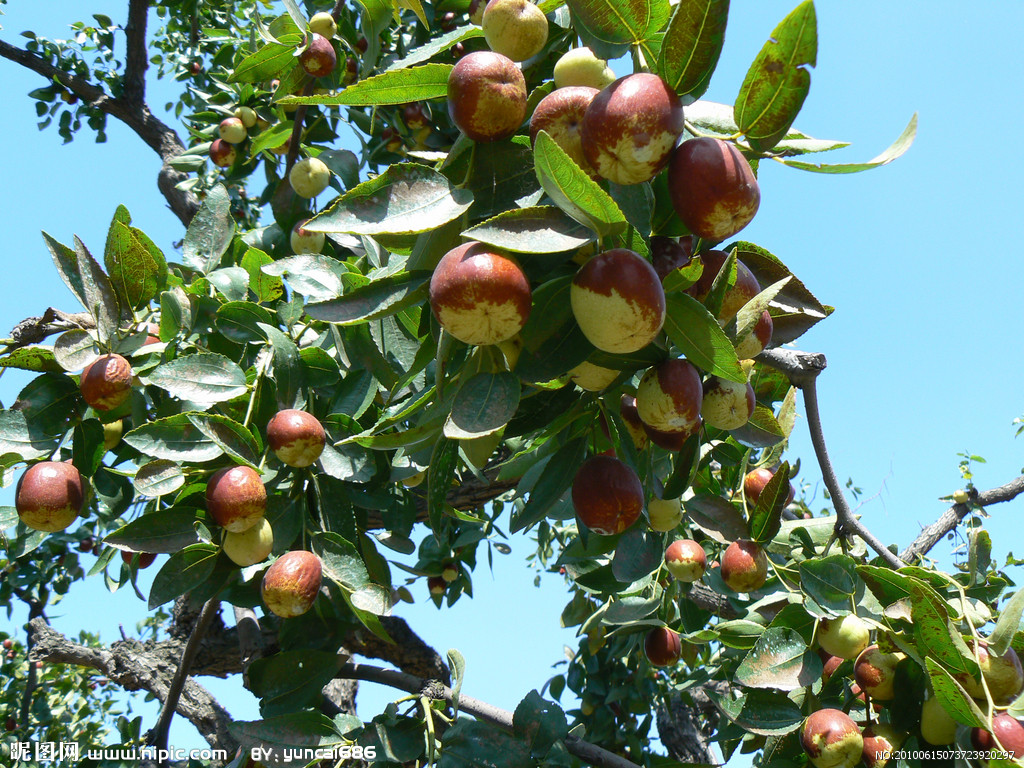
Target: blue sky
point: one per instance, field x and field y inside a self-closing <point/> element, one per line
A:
<point x="919" y="259"/>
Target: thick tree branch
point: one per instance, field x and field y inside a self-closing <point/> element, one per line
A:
<point x="137" y="60"/>
<point x="128" y="665"/>
<point x="135" y="114"/>
<point x="589" y="753"/>
<point x="949" y="520"/>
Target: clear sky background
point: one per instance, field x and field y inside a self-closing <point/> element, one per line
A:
<point x="920" y="259"/>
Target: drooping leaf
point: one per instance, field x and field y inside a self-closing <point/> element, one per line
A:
<point x="286" y="367"/>
<point x="399" y="86"/>
<point x="766" y="517"/>
<point x="406" y="199"/>
<point x="233" y="438"/>
<point x="554" y="481"/>
<point x="717" y="518"/>
<point x="693" y="42"/>
<point x="760" y="711"/>
<point x="893" y="151"/>
<point x="778" y="81"/>
<point x="954" y="699"/>
<point x="639" y="552"/>
<point x="935" y="634"/>
<point x="829" y="583"/>
<point x="572" y="190"/>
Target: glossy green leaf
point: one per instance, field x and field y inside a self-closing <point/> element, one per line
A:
<point x="232" y="438"/>
<point x="759" y="711"/>
<point x="291" y="680"/>
<point x="175" y="438"/>
<point x="341" y="561"/>
<point x="483" y="405"/>
<point x="554" y="481"/>
<point x="66" y="261"/>
<point x="638" y="553"/>
<point x="165" y="530"/>
<point x="315" y="276"/>
<point x="158" y="478"/>
<point x="137" y="269"/>
<point x="33" y="358"/>
<point x="478" y="743"/>
<point x="935" y="634"/>
<point x="210" y="232"/>
<point x="1009" y="622"/>
<point x="572" y="190"/>
<point x="183" y="571"/>
<point x="24" y="438"/>
<point x="954" y="699"/>
<point x="405" y="199"/>
<point x="778" y="81"/>
<point x="717" y="518"/>
<point x="829" y="583"/>
<point x="204" y="379"/>
<point x="376" y="299"/>
<point x="286" y="368"/>
<point x="766" y="516"/>
<point x="619" y="21"/>
<point x="760" y="431"/>
<point x="266" y="63"/>
<point x="539" y="229"/>
<point x="539" y="723"/>
<point x="49" y="401"/>
<point x="100" y="299"/>
<point x="240" y="321"/>
<point x="399" y="86"/>
<point x="693" y="42"/>
<point x="87" y="448"/>
<point x="698" y="336"/>
<point x="781" y="660"/>
<point x="444" y="460"/>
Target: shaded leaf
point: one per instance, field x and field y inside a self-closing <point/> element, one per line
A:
<point x="165" y="530"/>
<point x="376" y="299"/>
<point x="183" y="571"/>
<point x="780" y="659"/>
<point x="539" y="229"/>
<point x="484" y="404"/>
<point x="696" y="333"/>
<point x="693" y="42"/>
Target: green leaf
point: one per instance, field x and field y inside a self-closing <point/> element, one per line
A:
<point x="477" y="743"/>
<point x="696" y="333"/>
<point x="240" y="321"/>
<point x="539" y="723"/>
<point x="780" y="659"/>
<point x="158" y="478"/>
<point x="231" y="282"/>
<point x="175" y="438"/>
<point x="483" y="405"/>
<point x="638" y="553"/>
<point x="760" y="431"/>
<point x="49" y="401"/>
<point x="315" y="276"/>
<point x="166" y="530"/>
<point x="553" y="343"/>
<point x="183" y="571"/>
<point x="778" y="81"/>
<point x="935" y="634"/>
<point x="292" y="680"/>
<point x="574" y="191"/>
<point x="286" y="367"/>
<point x="956" y="701"/>
<point x="428" y="50"/>
<point x="619" y="22"/>
<point x="555" y="479"/>
<point x="210" y="232"/>
<point x="762" y="712"/>
<point x="136" y="266"/>
<point x="232" y="438"/>
<point x="268" y="62"/>
<point x="539" y="229"/>
<point x="265" y="287"/>
<point x="406" y="199"/>
<point x="1007" y="626"/>
<point x="203" y="378"/>
<point x="341" y="560"/>
<point x="100" y="299"/>
<point x="399" y="86"/>
<point x="33" y="358"/>
<point x="66" y="261"/>
<point x="717" y="518"/>
<point x="693" y="42"/>
<point x="87" y="448"/>
<point x="766" y="517"/>
<point x="19" y="437"/>
<point x="319" y="368"/>
<point x="444" y="460"/>
<point x="379" y="298"/>
<point x="893" y="151"/>
<point x="829" y="583"/>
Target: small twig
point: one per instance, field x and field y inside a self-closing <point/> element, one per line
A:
<point x="846" y="520"/>
<point x="934" y="533"/>
<point x="158" y="737"/>
<point x="300" y="118"/>
<point x="589" y="753"/>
